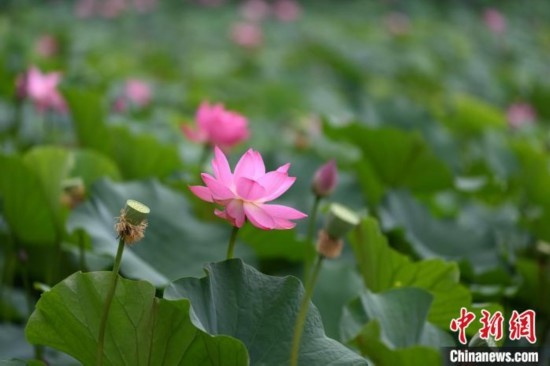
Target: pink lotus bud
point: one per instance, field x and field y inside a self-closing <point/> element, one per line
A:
<point x="287" y="10"/>
<point x="247" y="35"/>
<point x="520" y="114"/>
<point x="325" y="179"/>
<point x="495" y="21"/>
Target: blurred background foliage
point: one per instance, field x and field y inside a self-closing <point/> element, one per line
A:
<point x="437" y="115"/>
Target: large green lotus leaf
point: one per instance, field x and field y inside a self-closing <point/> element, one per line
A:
<point x="88" y="114"/>
<point x="392" y="326"/>
<point x="431" y="237"/>
<point x="369" y="342"/>
<point x="26" y="207"/>
<point x="384" y="268"/>
<point x="534" y="180"/>
<point x="260" y="310"/>
<point x="467" y="114"/>
<point x="176" y="244"/>
<point x="141" y="329"/>
<point x="393" y="158"/>
<point x="276" y="244"/>
<point x="337" y="285"/>
<point x="51" y="164"/>
<point x="143" y="156"/>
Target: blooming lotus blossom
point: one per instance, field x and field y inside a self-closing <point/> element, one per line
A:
<point x="520" y="114"/>
<point x="244" y="194"/>
<point x="42" y="90"/>
<point x="495" y="21"/>
<point x="217" y="126"/>
<point x="248" y="35"/>
<point x="325" y="179"/>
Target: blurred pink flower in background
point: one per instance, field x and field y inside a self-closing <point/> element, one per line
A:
<point x="217" y="126"/>
<point x="397" y="23"/>
<point x="248" y="35"/>
<point x="46" y="46"/>
<point x="41" y="89"/>
<point x="138" y="92"/>
<point x="287" y="10"/>
<point x="254" y="10"/>
<point x="113" y="8"/>
<point x="244" y="194"/>
<point x="85" y="8"/>
<point x="520" y="114"/>
<point x="494" y="20"/>
<point x="325" y="179"/>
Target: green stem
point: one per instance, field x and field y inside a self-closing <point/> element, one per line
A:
<point x="232" y="242"/>
<point x="309" y="237"/>
<point x="302" y="313"/>
<point x="81" y="251"/>
<point x="8" y="274"/>
<point x="108" y="300"/>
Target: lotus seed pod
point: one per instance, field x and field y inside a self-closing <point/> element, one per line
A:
<point x="340" y="221"/>
<point x="132" y="222"/>
<point x="136" y="212"/>
<point x="329" y="247"/>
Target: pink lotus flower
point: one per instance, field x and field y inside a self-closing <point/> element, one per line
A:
<point x="325" y="179"/>
<point x="248" y="35"/>
<point x="218" y="126"/>
<point x="244" y="194"/>
<point x="42" y="90"/>
<point x="494" y="20"/>
<point x="520" y="114"/>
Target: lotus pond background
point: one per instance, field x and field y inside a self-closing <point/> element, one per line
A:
<point x="437" y="113"/>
